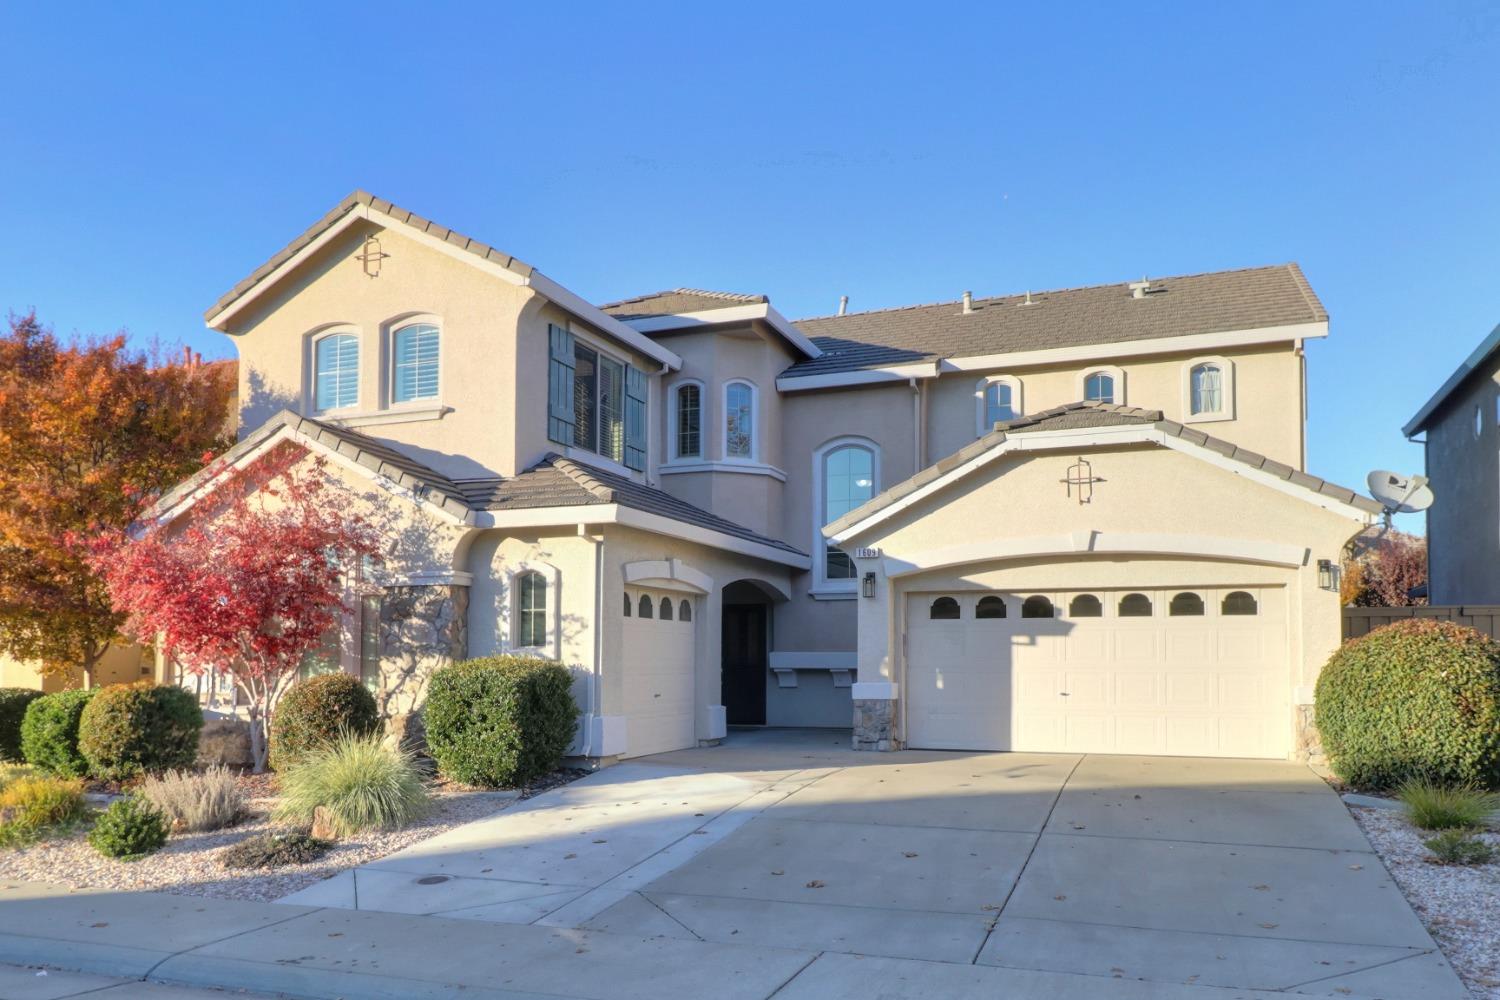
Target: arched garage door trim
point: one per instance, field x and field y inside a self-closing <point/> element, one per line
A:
<point x="1102" y="543"/>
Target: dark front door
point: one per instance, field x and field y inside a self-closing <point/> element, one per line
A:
<point x="744" y="664"/>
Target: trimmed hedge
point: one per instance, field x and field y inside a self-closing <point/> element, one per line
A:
<point x="49" y="733"/>
<point x="13" y="705"/>
<point x="317" y="711"/>
<point x="500" y="721"/>
<point x="133" y="729"/>
<point x="1417" y="698"/>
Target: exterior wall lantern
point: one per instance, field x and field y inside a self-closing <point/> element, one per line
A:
<point x="1328" y="575"/>
<point x="867" y="585"/>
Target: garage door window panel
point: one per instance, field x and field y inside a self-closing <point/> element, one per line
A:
<point x="990" y="607"/>
<point x="666" y="609"/>
<point x="685" y="611"/>
<point x="1186" y="605"/>
<point x="1037" y="606"/>
<point x="1239" y="602"/>
<point x="1135" y="606"/>
<point x="1085" y="606"/>
<point x="644" y="608"/>
<point x="944" y="609"/>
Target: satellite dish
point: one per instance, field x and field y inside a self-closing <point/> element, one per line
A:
<point x="1399" y="494"/>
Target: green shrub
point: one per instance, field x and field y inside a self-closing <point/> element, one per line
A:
<point x="318" y="710"/>
<point x="272" y="850"/>
<point x="31" y="806"/>
<point x="1419" y="698"/>
<point x="500" y="721"/>
<point x="49" y="733"/>
<point x="1459" y="847"/>
<point x="129" y="829"/>
<point x="194" y="802"/>
<point x="1434" y="806"/>
<point x="135" y="729"/>
<point x="358" y="782"/>
<point x="13" y="702"/>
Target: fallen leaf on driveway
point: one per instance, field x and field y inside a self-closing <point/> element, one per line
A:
<point x="1270" y="927"/>
<point x="1261" y="888"/>
<point x="569" y="857"/>
<point x="1356" y="868"/>
<point x="816" y="883"/>
<point x="1059" y="898"/>
<point x="778" y="872"/>
<point x="100" y="924"/>
<point x="908" y="854"/>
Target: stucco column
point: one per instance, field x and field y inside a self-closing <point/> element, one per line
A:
<point x="876" y="693"/>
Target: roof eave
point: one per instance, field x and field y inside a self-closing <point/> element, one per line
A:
<point x="730" y="314"/>
<point x="1477" y="357"/>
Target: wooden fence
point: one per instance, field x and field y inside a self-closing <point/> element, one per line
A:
<point x="1484" y="617"/>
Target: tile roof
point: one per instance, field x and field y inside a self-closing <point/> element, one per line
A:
<point x="343" y="208"/>
<point x="1083" y="415"/>
<point x="554" y="481"/>
<point x="1251" y="298"/>
<point x="675" y="301"/>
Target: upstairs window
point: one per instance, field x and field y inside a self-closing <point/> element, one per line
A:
<point x="689" y="442"/>
<point x="847" y="480"/>
<point x="1099" y="387"/>
<point x="416" y="352"/>
<point x="594" y="401"/>
<point x="1206" y="389"/>
<point x="739" y="420"/>
<point x="999" y="403"/>
<point x="336" y="362"/>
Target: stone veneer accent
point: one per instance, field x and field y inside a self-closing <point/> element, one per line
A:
<point x="1309" y="741"/>
<point x="875" y="724"/>
<point x="422" y="627"/>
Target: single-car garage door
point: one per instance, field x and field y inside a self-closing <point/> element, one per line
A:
<point x="657" y="664"/>
<point x="1196" y="672"/>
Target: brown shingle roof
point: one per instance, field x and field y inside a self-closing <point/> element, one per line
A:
<point x="1246" y="299"/>
<point x="675" y="301"/>
<point x="342" y="209"/>
<point x="1082" y="415"/>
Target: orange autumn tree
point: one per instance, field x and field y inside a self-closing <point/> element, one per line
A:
<point x="89" y="433"/>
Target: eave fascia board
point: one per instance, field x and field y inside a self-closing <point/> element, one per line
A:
<point x="1191" y="344"/>
<point x="1471" y="364"/>
<point x="730" y="314"/>
<point x="865" y="376"/>
<point x="221" y="318"/>
<point x="662" y="525"/>
<point x="593" y="315"/>
<point x="548" y="517"/>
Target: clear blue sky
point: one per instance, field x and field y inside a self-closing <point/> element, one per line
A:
<point x="156" y="153"/>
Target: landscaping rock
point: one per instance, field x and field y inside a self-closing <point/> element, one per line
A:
<point x="324" y="827"/>
<point x="406" y="731"/>
<point x="225" y="741"/>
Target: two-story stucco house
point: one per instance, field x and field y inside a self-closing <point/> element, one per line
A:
<point x="1074" y="520"/>
<point x="1461" y="428"/>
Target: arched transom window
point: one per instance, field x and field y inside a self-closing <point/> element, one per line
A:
<point x="847" y="477"/>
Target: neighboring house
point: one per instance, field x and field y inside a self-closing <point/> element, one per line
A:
<point x="1003" y="523"/>
<point x="1460" y="425"/>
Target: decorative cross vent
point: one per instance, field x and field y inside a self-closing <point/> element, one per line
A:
<point x="371" y="256"/>
<point x="1081" y="475"/>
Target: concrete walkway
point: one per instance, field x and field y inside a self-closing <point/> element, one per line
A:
<point x="785" y="864"/>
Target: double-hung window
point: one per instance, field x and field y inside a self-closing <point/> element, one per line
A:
<point x="1206" y="389"/>
<point x="689" y="417"/>
<point x="336" y="358"/>
<point x="416" y="349"/>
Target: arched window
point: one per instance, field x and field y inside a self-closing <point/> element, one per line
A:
<point x="627" y="605"/>
<point x="999" y="401"/>
<point x="684" y="610"/>
<point x="1206" y="389"/>
<point x="1099" y="387"/>
<point x="1185" y="604"/>
<point x="689" y="421"/>
<point x="846" y="480"/>
<point x="337" y="364"/>
<point x="990" y="607"/>
<point x="1085" y="606"/>
<point x="416" y="363"/>
<point x="1135" y="606"/>
<point x="1239" y="602"/>
<point x="739" y="420"/>
<point x="643" y="607"/>
<point x="1036" y="606"/>
<point x="666" y="609"/>
<point x="943" y="609"/>
<point x="531" y="615"/>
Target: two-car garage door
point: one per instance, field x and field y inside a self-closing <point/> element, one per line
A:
<point x="1198" y="671"/>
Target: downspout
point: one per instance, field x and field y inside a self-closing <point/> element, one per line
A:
<point x="916" y="424"/>
<point x="1302" y="389"/>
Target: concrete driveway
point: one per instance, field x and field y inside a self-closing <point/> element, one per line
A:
<point x="924" y="874"/>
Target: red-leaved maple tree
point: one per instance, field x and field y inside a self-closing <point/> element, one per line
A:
<point x="249" y="579"/>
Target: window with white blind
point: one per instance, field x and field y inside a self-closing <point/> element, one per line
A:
<point x="336" y="371"/>
<point x="415" y="349"/>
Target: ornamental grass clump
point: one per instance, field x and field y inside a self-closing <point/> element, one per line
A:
<point x="129" y="829"/>
<point x="354" y="783"/>
<point x="1434" y="806"/>
<point x="1418" y="697"/>
<point x="1459" y="847"/>
<point x="196" y="802"/>
<point x="34" y="806"/>
<point x="49" y="733"/>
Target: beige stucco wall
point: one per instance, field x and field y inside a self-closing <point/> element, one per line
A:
<point x="1463" y="524"/>
<point x="124" y="663"/>
<point x="491" y="414"/>
<point x="1148" y="492"/>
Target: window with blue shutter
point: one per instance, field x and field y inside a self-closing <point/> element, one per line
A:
<point x="416" y="368"/>
<point x="560" y="418"/>
<point x="336" y="359"/>
<point x="635" y="418"/>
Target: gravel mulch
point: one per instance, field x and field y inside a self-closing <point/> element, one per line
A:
<point x="189" y="864"/>
<point x="1458" y="904"/>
